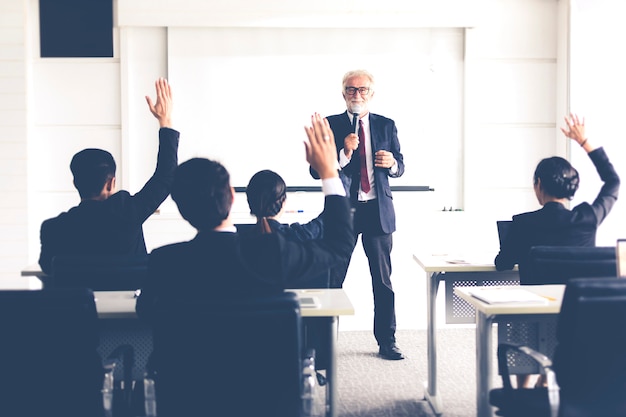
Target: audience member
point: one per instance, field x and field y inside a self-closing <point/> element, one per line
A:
<point x="267" y="193"/>
<point x="218" y="262"/>
<point x="108" y="221"/>
<point x="555" y="183"/>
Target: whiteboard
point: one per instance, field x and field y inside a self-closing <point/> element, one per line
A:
<point x="244" y="95"/>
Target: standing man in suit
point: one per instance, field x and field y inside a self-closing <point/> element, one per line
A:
<point x="369" y="153"/>
<point x="107" y="221"/>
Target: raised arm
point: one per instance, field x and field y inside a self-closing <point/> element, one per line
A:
<point x="157" y="188"/>
<point x="608" y="194"/>
<point x="321" y="152"/>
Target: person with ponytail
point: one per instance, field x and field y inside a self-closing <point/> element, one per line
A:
<point x="266" y="193"/>
<point x="555" y="183"/>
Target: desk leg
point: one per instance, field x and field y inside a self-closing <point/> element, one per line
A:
<point x="331" y="370"/>
<point x="430" y="387"/>
<point x="483" y="364"/>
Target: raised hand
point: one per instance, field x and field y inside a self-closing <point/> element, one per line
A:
<point x="162" y="109"/>
<point x="576" y="131"/>
<point x="575" y="128"/>
<point x="321" y="152"/>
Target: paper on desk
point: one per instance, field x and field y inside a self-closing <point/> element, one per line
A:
<point x="499" y="295"/>
<point x="471" y="259"/>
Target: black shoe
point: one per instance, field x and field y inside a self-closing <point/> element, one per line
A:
<point x="390" y="352"/>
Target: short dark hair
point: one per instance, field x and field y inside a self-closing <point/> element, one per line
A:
<point x="202" y="192"/>
<point x="92" y="168"/>
<point x="266" y="193"/>
<point x="558" y="177"/>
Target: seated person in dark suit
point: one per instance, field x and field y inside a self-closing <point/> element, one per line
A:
<point x="109" y="222"/>
<point x="555" y="183"/>
<point x="266" y="193"/>
<point x="219" y="262"/>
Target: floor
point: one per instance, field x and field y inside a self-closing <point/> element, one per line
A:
<point x="409" y="283"/>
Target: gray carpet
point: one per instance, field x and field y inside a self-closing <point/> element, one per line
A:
<point x="372" y="387"/>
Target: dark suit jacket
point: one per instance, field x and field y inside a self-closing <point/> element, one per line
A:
<point x="112" y="226"/>
<point x="555" y="225"/>
<point x="223" y="264"/>
<point x="299" y="232"/>
<point x="384" y="136"/>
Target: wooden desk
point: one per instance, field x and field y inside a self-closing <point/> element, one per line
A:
<point x="439" y="268"/>
<point x="486" y="315"/>
<point x="333" y="303"/>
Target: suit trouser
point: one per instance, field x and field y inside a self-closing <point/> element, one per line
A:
<point x="377" y="246"/>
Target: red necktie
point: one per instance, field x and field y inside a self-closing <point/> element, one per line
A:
<point x="365" y="181"/>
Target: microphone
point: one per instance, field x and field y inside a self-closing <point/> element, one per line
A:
<point x="356" y="110"/>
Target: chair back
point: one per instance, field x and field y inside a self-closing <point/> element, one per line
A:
<point x="98" y="272"/>
<point x="558" y="264"/>
<point x="49" y="350"/>
<point x="590" y="358"/>
<point x="235" y="357"/>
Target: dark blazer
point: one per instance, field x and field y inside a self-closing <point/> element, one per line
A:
<point x="384" y="136"/>
<point x="299" y="232"/>
<point x="112" y="226"/>
<point x="221" y="264"/>
<point x="555" y="225"/>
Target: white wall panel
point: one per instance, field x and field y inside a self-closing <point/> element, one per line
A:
<point x="13" y="102"/>
<point x="13" y="84"/>
<point x="15" y="68"/>
<point x="501" y="203"/>
<point x="12" y="117"/>
<point x="12" y="51"/>
<point x="515" y="92"/>
<point x="76" y="92"/>
<point x="518" y="29"/>
<point x="143" y="60"/>
<point x="53" y="173"/>
<point x="509" y="155"/>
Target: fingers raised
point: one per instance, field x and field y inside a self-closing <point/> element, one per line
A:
<point x="321" y="152"/>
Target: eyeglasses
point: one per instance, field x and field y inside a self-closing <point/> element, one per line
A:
<point x="362" y="90"/>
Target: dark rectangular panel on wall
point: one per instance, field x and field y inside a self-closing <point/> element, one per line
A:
<point x="76" y="28"/>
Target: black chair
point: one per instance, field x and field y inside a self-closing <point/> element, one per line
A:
<point x="230" y="357"/>
<point x="558" y="264"/>
<point x="551" y="265"/>
<point x="50" y="362"/>
<point x="98" y="272"/>
<point x="589" y="361"/>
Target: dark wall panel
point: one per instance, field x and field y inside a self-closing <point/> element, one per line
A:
<point x="76" y="28"/>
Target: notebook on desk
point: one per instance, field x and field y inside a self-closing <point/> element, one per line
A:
<point x="507" y="294"/>
<point x="503" y="229"/>
<point x="309" y="302"/>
